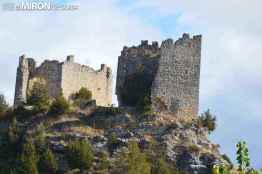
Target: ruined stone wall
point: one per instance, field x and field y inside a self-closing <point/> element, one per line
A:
<point x="141" y="59"/>
<point x="51" y="71"/>
<point x="174" y="70"/>
<point x="177" y="79"/>
<point x="25" y="68"/>
<point x="67" y="77"/>
<point x="75" y="76"/>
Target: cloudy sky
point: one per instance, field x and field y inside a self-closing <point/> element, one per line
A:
<point x="231" y="57"/>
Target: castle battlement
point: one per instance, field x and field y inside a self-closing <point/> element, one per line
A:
<point x="170" y="73"/>
<point x="68" y="77"/>
<point x="144" y="49"/>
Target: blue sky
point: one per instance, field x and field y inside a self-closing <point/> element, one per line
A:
<point x="231" y="55"/>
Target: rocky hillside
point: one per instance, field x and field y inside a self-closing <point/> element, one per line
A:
<point x="182" y="143"/>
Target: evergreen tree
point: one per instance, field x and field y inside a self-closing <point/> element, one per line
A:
<point x="13" y="132"/>
<point x="39" y="97"/>
<point x="242" y="156"/>
<point x="208" y="120"/>
<point x="136" y="160"/>
<point x="29" y="158"/>
<point x="47" y="162"/>
<point x="161" y="167"/>
<point x="80" y="155"/>
<point x="104" y="163"/>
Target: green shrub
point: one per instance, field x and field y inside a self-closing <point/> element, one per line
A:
<point x="133" y="161"/>
<point x="161" y="167"/>
<point x="112" y="143"/>
<point x="83" y="94"/>
<point x="207" y="120"/>
<point x="160" y="104"/>
<point x="222" y="169"/>
<point x="136" y="160"/>
<point x="227" y="159"/>
<point x="59" y="106"/>
<point x="104" y="163"/>
<point x="145" y="106"/>
<point x="13" y="132"/>
<point x="47" y="162"/>
<point x="108" y="110"/>
<point x="39" y="98"/>
<point x="80" y="155"/>
<point x="29" y="158"/>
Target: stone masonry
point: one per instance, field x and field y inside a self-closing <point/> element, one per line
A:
<point x="67" y="77"/>
<point x="174" y="69"/>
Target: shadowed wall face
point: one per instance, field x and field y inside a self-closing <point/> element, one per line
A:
<point x="137" y="68"/>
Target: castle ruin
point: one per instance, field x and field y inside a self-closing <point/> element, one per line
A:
<point x="67" y="77"/>
<point x="168" y="74"/>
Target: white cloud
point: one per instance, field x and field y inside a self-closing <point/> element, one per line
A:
<point x="95" y="33"/>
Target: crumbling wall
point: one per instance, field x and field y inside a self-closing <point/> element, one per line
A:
<point x="67" y="77"/>
<point x="74" y="76"/>
<point x="134" y="63"/>
<point x="51" y="71"/>
<point x="24" y="70"/>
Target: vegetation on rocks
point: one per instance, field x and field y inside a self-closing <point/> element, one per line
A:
<point x="109" y="140"/>
<point x="59" y="106"/>
<point x="80" y="155"/>
<point x="47" y="162"/>
<point x="29" y="158"/>
<point x="39" y="98"/>
<point x="207" y="120"/>
<point x="132" y="162"/>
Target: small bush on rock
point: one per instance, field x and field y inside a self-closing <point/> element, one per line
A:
<point x="39" y="98"/>
<point x="59" y="106"/>
<point x="83" y="94"/>
<point x="207" y="120"/>
<point x="145" y="106"/>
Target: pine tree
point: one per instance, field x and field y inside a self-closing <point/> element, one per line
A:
<point x="242" y="156"/>
<point x="80" y="155"/>
<point x="29" y="158"/>
<point x="137" y="162"/>
<point x="39" y="97"/>
<point x="161" y="167"/>
<point x="47" y="162"/>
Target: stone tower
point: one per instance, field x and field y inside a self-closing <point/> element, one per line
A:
<point x="25" y="68"/>
<point x="68" y="77"/>
<point x="170" y="73"/>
